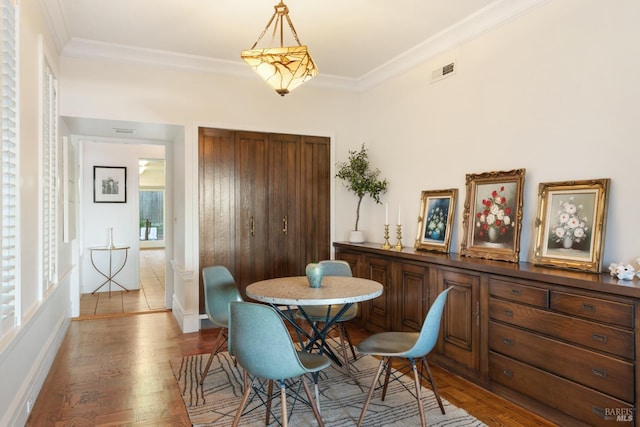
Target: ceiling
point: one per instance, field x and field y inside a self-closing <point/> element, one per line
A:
<point x="355" y="43"/>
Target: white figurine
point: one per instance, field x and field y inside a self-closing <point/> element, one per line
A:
<point x="622" y="271"/>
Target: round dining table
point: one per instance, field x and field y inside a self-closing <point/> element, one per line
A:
<point x="286" y="293"/>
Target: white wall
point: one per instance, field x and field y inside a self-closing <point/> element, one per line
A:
<point x="43" y="317"/>
<point x="554" y="91"/>
<point x="123" y="218"/>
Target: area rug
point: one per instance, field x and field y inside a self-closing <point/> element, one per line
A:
<point x="341" y="398"/>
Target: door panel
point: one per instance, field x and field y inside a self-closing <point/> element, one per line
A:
<point x="251" y="208"/>
<point x="284" y="208"/>
<point x="216" y="157"/>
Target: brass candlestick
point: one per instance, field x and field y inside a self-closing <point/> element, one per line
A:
<point x="399" y="236"/>
<point x="386" y="244"/>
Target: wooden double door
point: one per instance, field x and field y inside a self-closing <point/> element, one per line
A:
<point x="264" y="203"/>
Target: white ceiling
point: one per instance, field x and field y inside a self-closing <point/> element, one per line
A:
<point x="355" y="43"/>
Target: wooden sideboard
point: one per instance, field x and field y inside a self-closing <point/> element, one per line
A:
<point x="564" y="344"/>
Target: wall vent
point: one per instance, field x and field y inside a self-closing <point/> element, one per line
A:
<point x="444" y="71"/>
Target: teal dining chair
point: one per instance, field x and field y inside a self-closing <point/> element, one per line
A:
<point x="318" y="313"/>
<point x="220" y="289"/>
<point x="263" y="348"/>
<point x="409" y="346"/>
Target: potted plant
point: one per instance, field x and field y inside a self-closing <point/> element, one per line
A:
<point x="360" y="178"/>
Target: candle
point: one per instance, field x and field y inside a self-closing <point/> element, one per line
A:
<point x="386" y="214"/>
<point x="399" y="215"/>
<point x="111" y="237"/>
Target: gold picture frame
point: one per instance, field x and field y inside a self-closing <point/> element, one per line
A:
<point x="570" y="224"/>
<point x="435" y="222"/>
<point x="493" y="215"/>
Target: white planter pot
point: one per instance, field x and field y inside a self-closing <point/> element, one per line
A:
<point x="356" y="236"/>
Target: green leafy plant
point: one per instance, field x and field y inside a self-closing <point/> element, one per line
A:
<point x="360" y="178"/>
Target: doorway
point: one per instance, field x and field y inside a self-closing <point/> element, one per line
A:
<point x="152" y="203"/>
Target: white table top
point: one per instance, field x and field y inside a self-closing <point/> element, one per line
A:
<point x="296" y="290"/>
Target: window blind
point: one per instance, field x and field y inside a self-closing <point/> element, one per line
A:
<point x="49" y="196"/>
<point x="8" y="165"/>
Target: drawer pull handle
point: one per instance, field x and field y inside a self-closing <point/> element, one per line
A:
<point x="598" y="411"/>
<point x="599" y="338"/>
<point x="588" y="307"/>
<point x="599" y="372"/>
<point x="515" y="292"/>
<point x="508" y="313"/>
<point x="507" y="341"/>
<point x="507" y="373"/>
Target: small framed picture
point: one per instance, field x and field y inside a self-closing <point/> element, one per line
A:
<point x="435" y="222"/>
<point x="493" y="215"/>
<point x="109" y="184"/>
<point x="570" y="224"/>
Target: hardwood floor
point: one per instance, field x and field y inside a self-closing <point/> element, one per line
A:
<point x="114" y="371"/>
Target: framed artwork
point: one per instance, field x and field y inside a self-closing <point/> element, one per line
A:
<point x="109" y="184"/>
<point x="493" y="215"/>
<point x="570" y="224"/>
<point x="435" y="222"/>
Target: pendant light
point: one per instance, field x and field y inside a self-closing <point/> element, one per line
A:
<point x="284" y="68"/>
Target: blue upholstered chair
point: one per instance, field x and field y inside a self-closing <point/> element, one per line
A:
<point x="263" y="347"/>
<point x="409" y="346"/>
<point x="318" y="313"/>
<point x="219" y="290"/>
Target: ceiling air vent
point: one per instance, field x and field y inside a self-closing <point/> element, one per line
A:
<point x="444" y="71"/>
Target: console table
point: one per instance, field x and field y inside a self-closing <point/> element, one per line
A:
<point x="111" y="272"/>
<point x="563" y="344"/>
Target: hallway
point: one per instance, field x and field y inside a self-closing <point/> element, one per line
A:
<point x="150" y="297"/>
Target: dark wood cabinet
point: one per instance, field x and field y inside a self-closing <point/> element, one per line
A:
<point x="376" y="313"/>
<point x="460" y="337"/>
<point x="564" y="344"/>
<point x="405" y="298"/>
<point x="263" y="203"/>
<point x="412" y="296"/>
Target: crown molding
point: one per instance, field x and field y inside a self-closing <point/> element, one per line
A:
<point x="493" y="15"/>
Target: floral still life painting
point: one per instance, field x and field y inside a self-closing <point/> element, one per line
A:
<point x="493" y="221"/>
<point x="493" y="215"/>
<point x="435" y="221"/>
<point x="571" y="224"/>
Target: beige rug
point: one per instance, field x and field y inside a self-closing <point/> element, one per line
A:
<point x="341" y="398"/>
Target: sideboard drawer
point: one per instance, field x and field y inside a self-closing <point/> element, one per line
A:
<point x="606" y="374"/>
<point x="597" y="336"/>
<point x="593" y="308"/>
<point x="573" y="399"/>
<point x="519" y="293"/>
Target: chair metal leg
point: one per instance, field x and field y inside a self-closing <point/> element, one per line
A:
<point x="416" y="379"/>
<point x="373" y="386"/>
<point x="245" y="398"/>
<point x="222" y="338"/>
<point x="432" y="382"/>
